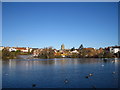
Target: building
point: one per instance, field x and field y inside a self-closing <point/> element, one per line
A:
<point x="22" y="49"/>
<point x="74" y="51"/>
<point x="12" y="49"/>
<point x="62" y="47"/>
<point x="114" y="49"/>
<point x="1" y="47"/>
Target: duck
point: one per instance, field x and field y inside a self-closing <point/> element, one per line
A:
<point x="86" y="76"/>
<point x="90" y="74"/>
<point x="33" y="85"/>
<point x="113" y="72"/>
<point x="66" y="81"/>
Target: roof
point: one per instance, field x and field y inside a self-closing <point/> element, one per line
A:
<point x="113" y="47"/>
<point x="89" y="48"/>
<point x="116" y="47"/>
<point x="21" y="48"/>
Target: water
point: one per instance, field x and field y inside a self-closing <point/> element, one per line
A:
<point x="60" y="73"/>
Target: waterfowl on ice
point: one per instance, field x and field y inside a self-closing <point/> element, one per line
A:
<point x="113" y="72"/>
<point x="33" y="85"/>
<point x="90" y="74"/>
<point x="87" y="77"/>
<point x="66" y="81"/>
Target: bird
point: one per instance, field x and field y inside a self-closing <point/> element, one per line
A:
<point x="87" y="77"/>
<point x="90" y="74"/>
<point x="66" y="81"/>
<point x="33" y="85"/>
<point x="113" y="72"/>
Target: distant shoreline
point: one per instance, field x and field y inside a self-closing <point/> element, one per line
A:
<point x="59" y="58"/>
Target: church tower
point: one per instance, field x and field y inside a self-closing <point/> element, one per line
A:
<point x="62" y="47"/>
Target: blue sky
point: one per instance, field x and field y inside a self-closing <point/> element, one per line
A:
<point x="41" y="25"/>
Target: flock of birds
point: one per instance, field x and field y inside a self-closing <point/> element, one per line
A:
<point x="66" y="81"/>
<point x="89" y="75"/>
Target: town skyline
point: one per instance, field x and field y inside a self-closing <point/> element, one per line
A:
<point x="49" y="52"/>
<point x="60" y="47"/>
<point x="52" y="24"/>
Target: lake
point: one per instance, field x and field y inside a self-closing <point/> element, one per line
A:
<point x="60" y="73"/>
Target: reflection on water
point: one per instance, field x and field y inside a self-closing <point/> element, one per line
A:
<point x="60" y="73"/>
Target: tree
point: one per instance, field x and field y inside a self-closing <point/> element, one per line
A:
<point x="5" y="53"/>
<point x="107" y="54"/>
<point x="72" y="49"/>
<point x="100" y="55"/>
<point x="81" y="47"/>
<point x="47" y="53"/>
<point x="82" y="53"/>
<point x="74" y="55"/>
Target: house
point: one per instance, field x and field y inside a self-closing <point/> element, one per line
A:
<point x="22" y="49"/>
<point x="89" y="49"/>
<point x="114" y="49"/>
<point x="12" y="49"/>
<point x="74" y="51"/>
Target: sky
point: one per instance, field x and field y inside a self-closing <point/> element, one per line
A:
<point x="44" y="24"/>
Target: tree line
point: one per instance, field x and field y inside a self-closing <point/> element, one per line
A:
<point x="83" y="53"/>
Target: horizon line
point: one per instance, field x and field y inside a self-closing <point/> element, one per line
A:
<point x="60" y="45"/>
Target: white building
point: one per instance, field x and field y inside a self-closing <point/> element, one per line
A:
<point x="1" y="47"/>
<point x="75" y="51"/>
<point x="114" y="49"/>
<point x="22" y="49"/>
<point x="12" y="49"/>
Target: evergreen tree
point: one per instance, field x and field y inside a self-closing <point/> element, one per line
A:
<point x="72" y="49"/>
<point x="81" y="47"/>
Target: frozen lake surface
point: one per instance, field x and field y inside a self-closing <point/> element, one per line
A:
<point x="60" y="73"/>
